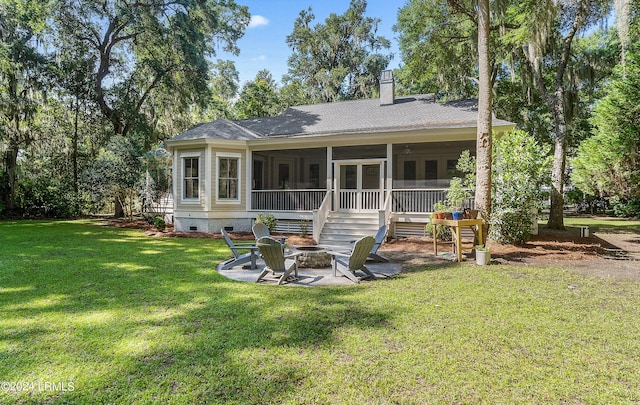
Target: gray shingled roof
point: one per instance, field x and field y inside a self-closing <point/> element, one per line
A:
<point x="358" y="116"/>
<point x="219" y="129"/>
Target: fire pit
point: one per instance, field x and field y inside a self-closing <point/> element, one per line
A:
<point x="313" y="257"/>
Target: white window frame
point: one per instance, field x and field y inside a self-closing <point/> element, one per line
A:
<point x="228" y="155"/>
<point x="183" y="157"/>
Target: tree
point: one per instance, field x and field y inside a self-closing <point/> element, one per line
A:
<point x="21" y="84"/>
<point x="547" y="32"/>
<point x="339" y="59"/>
<point x="224" y="87"/>
<point x="147" y="46"/>
<point x="259" y="98"/>
<point x="608" y="164"/>
<point x="541" y="25"/>
<point x="437" y="47"/>
<point x="483" y="138"/>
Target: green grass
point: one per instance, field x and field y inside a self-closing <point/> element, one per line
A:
<point x="605" y="225"/>
<point x="132" y="319"/>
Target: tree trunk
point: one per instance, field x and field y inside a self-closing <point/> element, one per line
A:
<point x="118" y="208"/>
<point x="483" y="139"/>
<point x="9" y="177"/>
<point x="556" y="214"/>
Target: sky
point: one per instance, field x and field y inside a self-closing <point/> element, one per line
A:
<point x="264" y="44"/>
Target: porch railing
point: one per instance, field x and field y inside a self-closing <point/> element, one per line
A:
<point x="286" y="200"/>
<point x="359" y="200"/>
<point x="402" y="200"/>
<point x="420" y="200"/>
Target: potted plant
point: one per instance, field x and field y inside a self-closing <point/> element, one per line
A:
<point x="483" y="255"/>
<point x="439" y="209"/>
<point x="456" y="195"/>
<point x="470" y="214"/>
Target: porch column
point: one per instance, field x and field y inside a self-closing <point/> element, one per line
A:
<point x="249" y="178"/>
<point x="389" y="167"/>
<point x="329" y="184"/>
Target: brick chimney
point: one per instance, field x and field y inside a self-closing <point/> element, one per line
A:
<point x="387" y="88"/>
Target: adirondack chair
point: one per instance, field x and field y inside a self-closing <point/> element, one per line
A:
<point x="276" y="261"/>
<point x="348" y="264"/>
<point x="261" y="230"/>
<point x="239" y="258"/>
<point x="380" y="236"/>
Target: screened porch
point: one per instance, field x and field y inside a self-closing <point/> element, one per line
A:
<point x="398" y="178"/>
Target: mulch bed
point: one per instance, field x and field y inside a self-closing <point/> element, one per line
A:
<point x="548" y="244"/>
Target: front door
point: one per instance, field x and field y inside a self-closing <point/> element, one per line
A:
<point x="359" y="186"/>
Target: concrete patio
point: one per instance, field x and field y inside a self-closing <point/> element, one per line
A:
<point x="310" y="277"/>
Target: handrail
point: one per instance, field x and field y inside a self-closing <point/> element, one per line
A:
<point x="385" y="212"/>
<point x="321" y="214"/>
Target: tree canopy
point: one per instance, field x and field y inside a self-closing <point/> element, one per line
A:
<point x="150" y="48"/>
<point x="22" y="76"/>
<point x="259" y="97"/>
<point x="340" y="59"/>
<point x="608" y="164"/>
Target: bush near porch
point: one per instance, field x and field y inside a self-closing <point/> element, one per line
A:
<point x="133" y="319"/>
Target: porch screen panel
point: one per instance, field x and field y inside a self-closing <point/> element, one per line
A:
<point x="370" y="196"/>
<point x="410" y="170"/>
<point x="348" y="187"/>
<point x="431" y="169"/>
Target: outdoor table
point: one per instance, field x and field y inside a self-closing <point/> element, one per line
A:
<point x="456" y="227"/>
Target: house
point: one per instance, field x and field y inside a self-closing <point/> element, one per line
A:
<point x="334" y="170"/>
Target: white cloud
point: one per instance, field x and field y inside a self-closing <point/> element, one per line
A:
<point x="258" y="21"/>
<point x="259" y="58"/>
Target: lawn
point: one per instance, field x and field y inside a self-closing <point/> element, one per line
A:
<point x="605" y="225"/>
<point x="95" y="314"/>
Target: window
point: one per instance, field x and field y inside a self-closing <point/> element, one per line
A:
<point x="430" y="169"/>
<point x="228" y="178"/>
<point x="191" y="178"/>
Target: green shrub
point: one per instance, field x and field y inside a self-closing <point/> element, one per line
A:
<point x="626" y="208"/>
<point x="268" y="219"/>
<point x="521" y="168"/>
<point x="159" y="223"/>
<point x="43" y="197"/>
<point x="304" y="227"/>
<point x="511" y="226"/>
<point x="149" y="217"/>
